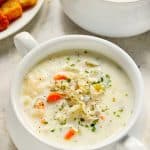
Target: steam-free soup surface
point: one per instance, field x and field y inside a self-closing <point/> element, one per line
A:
<point x="76" y="99"/>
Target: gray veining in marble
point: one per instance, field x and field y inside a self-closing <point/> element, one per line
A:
<point x="51" y="22"/>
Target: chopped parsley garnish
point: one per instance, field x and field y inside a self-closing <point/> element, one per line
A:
<point x="61" y="108"/>
<point x="114" y="112"/>
<point x="72" y="65"/>
<point x="118" y="115"/>
<point x="80" y="123"/>
<point x="120" y="110"/>
<point x="113" y="99"/>
<point x="93" y="124"/>
<point x="105" y="109"/>
<point x="82" y="119"/>
<point x="68" y="80"/>
<point x="75" y="119"/>
<point x="86" y="126"/>
<point x="107" y="76"/>
<point x="102" y="79"/>
<point x="63" y="87"/>
<point x="45" y="122"/>
<point x="93" y="129"/>
<point x="86" y="71"/>
<point x="107" y="81"/>
<point x="52" y="130"/>
<point x="95" y="121"/>
<point x="85" y="52"/>
<point x="68" y="58"/>
<point x="63" y="122"/>
<point x="95" y="82"/>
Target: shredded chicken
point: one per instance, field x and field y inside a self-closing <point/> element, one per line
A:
<point x="82" y="95"/>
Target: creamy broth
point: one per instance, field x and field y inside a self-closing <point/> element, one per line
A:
<point x="77" y="99"/>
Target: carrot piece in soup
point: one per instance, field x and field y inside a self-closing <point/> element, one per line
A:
<point x="70" y="134"/>
<point x="102" y="117"/>
<point x="60" y="77"/>
<point x="54" y="97"/>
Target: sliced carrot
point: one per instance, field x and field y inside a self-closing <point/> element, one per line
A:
<point x="70" y="134"/>
<point x="60" y="77"/>
<point x="54" y="97"/>
<point x="102" y="117"/>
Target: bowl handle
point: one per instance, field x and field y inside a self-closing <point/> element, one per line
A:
<point x="24" y="42"/>
<point x="131" y="143"/>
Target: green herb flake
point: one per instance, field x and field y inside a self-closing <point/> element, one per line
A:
<point x="68" y="80"/>
<point x="79" y="122"/>
<point x="96" y="82"/>
<point x="61" y="108"/>
<point x="75" y="119"/>
<point x="107" y="76"/>
<point x="114" y="112"/>
<point x="86" y="126"/>
<point x="68" y="58"/>
<point x="86" y="71"/>
<point x="82" y="119"/>
<point x="113" y="99"/>
<point x="85" y="52"/>
<point x="63" y="87"/>
<point x="120" y="110"/>
<point x="103" y="110"/>
<point x="45" y="122"/>
<point x="102" y="79"/>
<point x="52" y="130"/>
<point x="72" y="65"/>
<point x="93" y="129"/>
<point x="63" y="122"/>
<point x="94" y="123"/>
<point x="118" y="115"/>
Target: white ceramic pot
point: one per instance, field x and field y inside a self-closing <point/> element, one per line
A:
<point x="108" y="18"/>
<point x="21" y="132"/>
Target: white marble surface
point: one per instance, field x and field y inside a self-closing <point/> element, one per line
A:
<point x="51" y="22"/>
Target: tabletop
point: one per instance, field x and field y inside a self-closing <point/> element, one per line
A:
<point x="51" y="22"/>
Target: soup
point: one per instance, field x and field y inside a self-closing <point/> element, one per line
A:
<point x="76" y="99"/>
